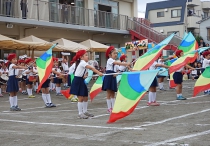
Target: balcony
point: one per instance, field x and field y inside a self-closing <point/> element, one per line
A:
<point x="193" y="3"/>
<point x="42" y="12"/>
<point x="206" y="6"/>
<point x="192" y="21"/>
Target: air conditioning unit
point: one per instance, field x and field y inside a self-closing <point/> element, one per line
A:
<point x="161" y="31"/>
<point x="166" y="10"/>
<point x="9" y="25"/>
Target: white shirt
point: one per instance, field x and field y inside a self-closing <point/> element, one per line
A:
<point x="56" y="69"/>
<point x="29" y="74"/>
<point x="4" y="70"/>
<point x="65" y="66"/>
<point x="206" y="63"/>
<point x="72" y="68"/>
<point x="81" y="69"/>
<point x="201" y="58"/>
<point x="35" y="69"/>
<point x="153" y="66"/>
<point x="11" y="70"/>
<point x="180" y="70"/>
<point x="109" y="64"/>
<point x="122" y="68"/>
<point x="194" y="72"/>
<point x="116" y="68"/>
<point x="160" y="61"/>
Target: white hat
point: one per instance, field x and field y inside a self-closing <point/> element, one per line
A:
<point x="65" y="54"/>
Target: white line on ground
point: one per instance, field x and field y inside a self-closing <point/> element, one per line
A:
<point x="179" y="138"/>
<point x="71" y="125"/>
<point x="174" y="118"/>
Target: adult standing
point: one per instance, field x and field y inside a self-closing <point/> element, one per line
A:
<point x="24" y="9"/>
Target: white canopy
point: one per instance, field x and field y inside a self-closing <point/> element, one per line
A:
<point x="95" y="46"/>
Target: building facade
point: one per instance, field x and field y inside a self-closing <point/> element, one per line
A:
<point x="205" y="29"/>
<point x="104" y="21"/>
<point x="177" y="15"/>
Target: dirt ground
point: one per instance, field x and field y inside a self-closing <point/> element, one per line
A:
<point x="173" y="123"/>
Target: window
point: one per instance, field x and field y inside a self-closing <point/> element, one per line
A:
<point x="205" y="14"/>
<point x="160" y="14"/>
<point x="175" y="13"/>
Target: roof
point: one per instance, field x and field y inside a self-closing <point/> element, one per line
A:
<point x="199" y="22"/>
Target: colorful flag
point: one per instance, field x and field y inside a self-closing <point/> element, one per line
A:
<point x="96" y="88"/>
<point x="44" y="66"/>
<point x="171" y="80"/>
<point x="182" y="61"/>
<point x="203" y="82"/>
<point x="188" y="44"/>
<point x="132" y="89"/>
<point x="90" y="75"/>
<point x="146" y="60"/>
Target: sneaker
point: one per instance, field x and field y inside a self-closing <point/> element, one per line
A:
<point x="88" y="114"/>
<point x="205" y="92"/>
<point x="13" y="108"/>
<point x="31" y="96"/>
<point x="1" y="95"/>
<point x="82" y="116"/>
<point x="52" y="105"/>
<point x="162" y="89"/>
<point x="59" y="94"/>
<point x="148" y="103"/>
<point x="109" y="110"/>
<point x="17" y="108"/>
<point x="180" y="98"/>
<point x="155" y="104"/>
<point x="74" y="99"/>
<point x="47" y="105"/>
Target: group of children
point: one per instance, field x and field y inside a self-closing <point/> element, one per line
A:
<point x="79" y="68"/>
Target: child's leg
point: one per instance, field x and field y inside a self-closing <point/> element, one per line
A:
<point x="112" y="99"/>
<point x="58" y="88"/>
<point x="85" y="106"/>
<point x="11" y="99"/>
<point x="152" y="96"/>
<point x="179" y="92"/>
<point x="80" y="105"/>
<point x="108" y="100"/>
<point x="1" y="90"/>
<point x="44" y="96"/>
<point x="161" y="79"/>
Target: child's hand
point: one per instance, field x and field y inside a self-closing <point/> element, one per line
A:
<point x="100" y="74"/>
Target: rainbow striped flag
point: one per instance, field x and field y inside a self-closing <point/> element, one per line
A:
<point x="188" y="43"/>
<point x="146" y="60"/>
<point x="44" y="66"/>
<point x="96" y="88"/>
<point x="171" y="81"/>
<point x="182" y="61"/>
<point x="132" y="89"/>
<point x="203" y="82"/>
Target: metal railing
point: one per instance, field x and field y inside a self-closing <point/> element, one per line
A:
<point x="150" y="33"/>
<point x="61" y="13"/>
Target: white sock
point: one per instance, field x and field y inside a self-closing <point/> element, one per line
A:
<point x="51" y="85"/>
<point x="179" y="95"/>
<point x="109" y="103"/>
<point x="56" y="89"/>
<point x="29" y="92"/>
<point x="0" y="90"/>
<point x="150" y="97"/>
<point x="37" y="85"/>
<point x="161" y="85"/>
<point x="48" y="98"/>
<point x="80" y="106"/>
<point x="112" y="101"/>
<point x="59" y="89"/>
<point x="85" y="105"/>
<point x="154" y="96"/>
<point x="44" y="97"/>
<point x="11" y="101"/>
<point x="75" y="96"/>
<point x="15" y="100"/>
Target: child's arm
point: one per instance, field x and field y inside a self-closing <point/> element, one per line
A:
<point x="121" y="63"/>
<point x="94" y="70"/>
<point x="19" y="67"/>
<point x="161" y="65"/>
<point x="190" y="67"/>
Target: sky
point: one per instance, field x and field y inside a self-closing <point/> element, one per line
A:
<point x="142" y="6"/>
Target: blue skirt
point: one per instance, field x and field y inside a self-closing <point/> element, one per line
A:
<point x="24" y="79"/>
<point x="154" y="83"/>
<point x="46" y="84"/>
<point x="202" y="70"/>
<point x="57" y="81"/>
<point x="109" y="82"/>
<point x="12" y="84"/>
<point x="28" y="82"/>
<point x="69" y="80"/>
<point x="79" y="87"/>
<point x="178" y="77"/>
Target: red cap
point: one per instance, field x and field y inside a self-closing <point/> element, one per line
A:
<point x="123" y="57"/>
<point x="28" y="60"/>
<point x="80" y="53"/>
<point x="21" y="61"/>
<point x="55" y="59"/>
<point x="161" y="54"/>
<point x="108" y="51"/>
<point x="206" y="53"/>
<point x="7" y="63"/>
<point x="178" y="52"/>
<point x="74" y="59"/>
<point x="11" y="56"/>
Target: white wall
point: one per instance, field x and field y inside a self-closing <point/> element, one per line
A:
<point x="125" y="8"/>
<point x="203" y="30"/>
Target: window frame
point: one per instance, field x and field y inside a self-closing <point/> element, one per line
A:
<point x="177" y="13"/>
<point x="160" y="13"/>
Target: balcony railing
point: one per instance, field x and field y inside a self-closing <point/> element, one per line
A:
<point x="60" y="13"/>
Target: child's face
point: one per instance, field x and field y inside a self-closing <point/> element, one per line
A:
<point x="208" y="57"/>
<point x="125" y="59"/>
<point x="14" y="60"/>
<point x="22" y="64"/>
<point x="55" y="63"/>
<point x="85" y="57"/>
<point x="65" y="60"/>
<point x="113" y="55"/>
<point x="181" y="54"/>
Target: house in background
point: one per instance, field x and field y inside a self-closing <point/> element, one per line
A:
<point x="205" y="29"/>
<point x="177" y="15"/>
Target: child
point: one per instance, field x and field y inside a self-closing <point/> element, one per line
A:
<point x="206" y="63"/>
<point x="194" y="73"/>
<point x="152" y="89"/>
<point x="110" y="82"/>
<point x="37" y="77"/>
<point x="178" y="77"/>
<point x="12" y="84"/>
<point x="65" y="66"/>
<point x="29" y="73"/>
<point x="24" y="77"/>
<point x="123" y="59"/>
<point x="79" y="87"/>
<point x="57" y="80"/>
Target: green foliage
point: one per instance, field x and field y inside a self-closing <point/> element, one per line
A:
<point x="198" y="38"/>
